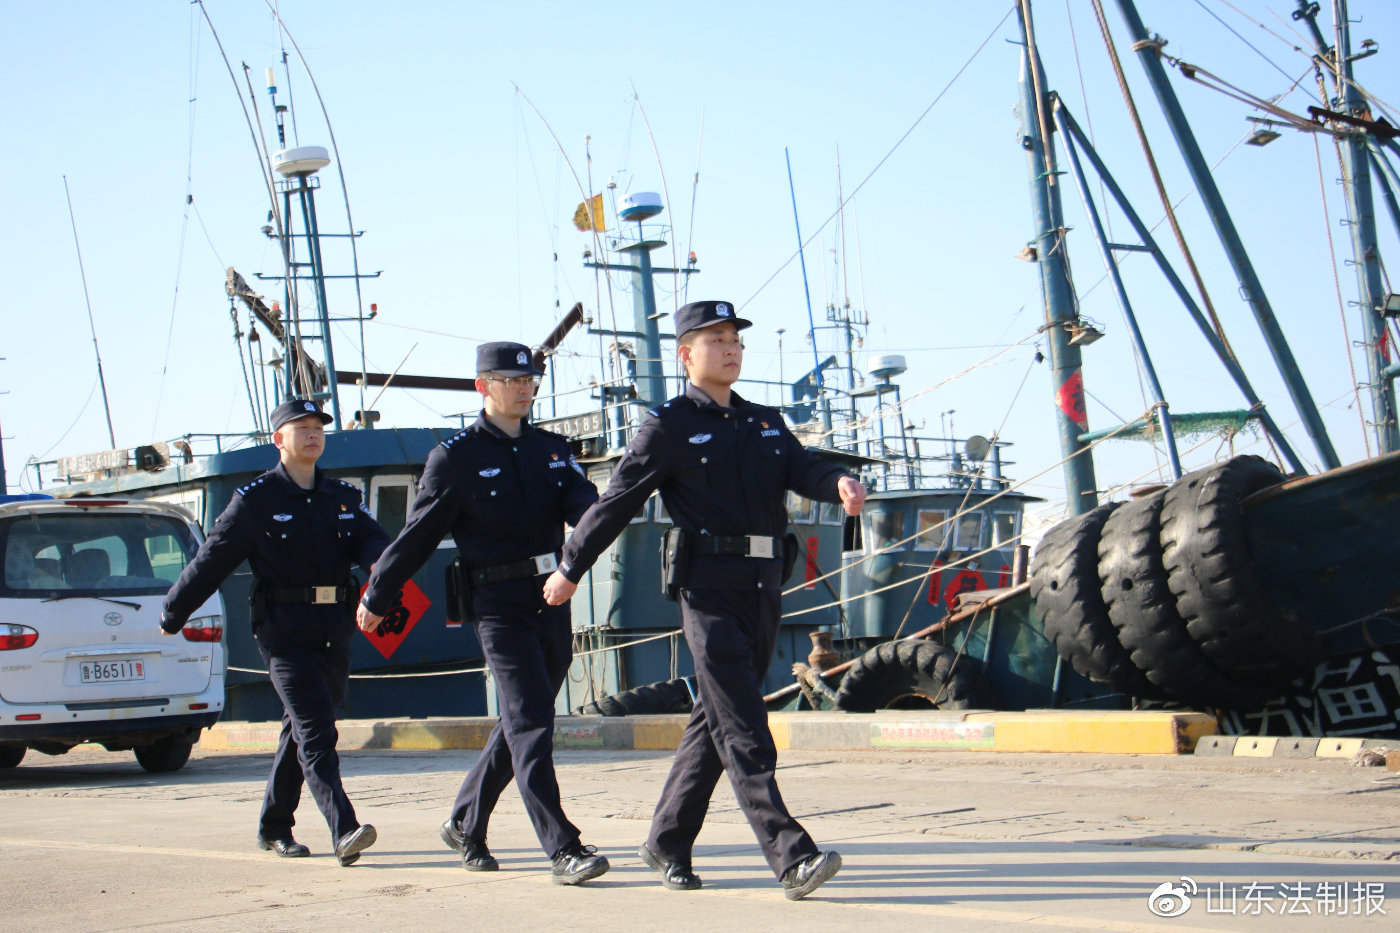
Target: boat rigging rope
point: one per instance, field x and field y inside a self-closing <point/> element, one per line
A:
<point x="1157" y="175"/>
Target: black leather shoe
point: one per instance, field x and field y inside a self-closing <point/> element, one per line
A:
<point x="809" y="874"/>
<point x="475" y="855"/>
<point x="287" y="848"/>
<point x="674" y="875"/>
<point x="451" y="834"/>
<point x="575" y="864"/>
<point x="348" y="849"/>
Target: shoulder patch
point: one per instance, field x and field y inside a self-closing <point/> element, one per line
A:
<point x="447" y="444"/>
<point x="670" y="406"/>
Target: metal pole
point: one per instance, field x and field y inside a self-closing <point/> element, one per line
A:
<point x="1385" y="175"/>
<point x="649" y="375"/>
<point x="1106" y="251"/>
<point x="1071" y="417"/>
<point x="1149" y="52"/>
<point x="1356" y="177"/>
<point x="811" y="323"/>
<point x="1231" y="364"/>
<point x="318" y="277"/>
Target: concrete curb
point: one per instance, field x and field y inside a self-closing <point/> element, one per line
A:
<point x="1267" y="746"/>
<point x="1092" y="732"/>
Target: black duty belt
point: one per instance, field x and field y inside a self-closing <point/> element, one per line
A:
<point x="738" y="545"/>
<point x="536" y="566"/>
<point x="319" y="595"/>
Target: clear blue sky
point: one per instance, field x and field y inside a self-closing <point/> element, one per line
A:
<point x="465" y="199"/>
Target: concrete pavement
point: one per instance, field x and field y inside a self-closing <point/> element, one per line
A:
<point x="948" y="840"/>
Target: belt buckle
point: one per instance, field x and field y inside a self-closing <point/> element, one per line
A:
<point x="545" y="563"/>
<point x="760" y="546"/>
<point x="323" y="594"/>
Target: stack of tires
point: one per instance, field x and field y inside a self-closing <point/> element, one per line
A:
<point x="1158" y="597"/>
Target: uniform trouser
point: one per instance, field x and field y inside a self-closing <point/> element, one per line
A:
<point x="529" y="656"/>
<point x="311" y="684"/>
<point x="731" y="634"/>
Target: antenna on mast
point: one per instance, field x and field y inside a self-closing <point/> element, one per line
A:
<point x="106" y="407"/>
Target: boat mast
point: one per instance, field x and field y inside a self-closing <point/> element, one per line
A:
<point x="298" y="166"/>
<point x="649" y="380"/>
<point x="1149" y="52"/>
<point x="1047" y="248"/>
<point x="1356" y="178"/>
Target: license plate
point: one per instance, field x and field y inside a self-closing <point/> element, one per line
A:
<point x="102" y="672"/>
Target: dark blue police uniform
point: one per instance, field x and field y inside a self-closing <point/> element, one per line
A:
<point x="723" y="475"/>
<point x="300" y="545"/>
<point x="504" y="500"/>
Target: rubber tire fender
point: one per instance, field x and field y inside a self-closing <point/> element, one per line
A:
<point x="667" y="696"/>
<point x="1070" y="605"/>
<point x="1143" y="610"/>
<point x="1212" y="577"/>
<point x="900" y="670"/>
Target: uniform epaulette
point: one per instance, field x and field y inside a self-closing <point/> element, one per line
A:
<point x="344" y="482"/>
<point x="554" y="434"/>
<point x="447" y="444"/>
<point x="669" y="406"/>
<point x="243" y="490"/>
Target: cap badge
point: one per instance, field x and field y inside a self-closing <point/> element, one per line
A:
<point x="310" y="406"/>
<point x="722" y="309"/>
<point x="522" y="358"/>
<point x="490" y="472"/>
<point x="700" y="438"/>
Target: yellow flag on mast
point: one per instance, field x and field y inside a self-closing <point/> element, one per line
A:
<point x="589" y="215"/>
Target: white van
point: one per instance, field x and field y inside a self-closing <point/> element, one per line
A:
<point x="82" y="657"/>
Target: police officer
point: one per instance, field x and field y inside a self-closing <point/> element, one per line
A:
<point x="300" y="531"/>
<point x="503" y="489"/>
<point x="723" y="466"/>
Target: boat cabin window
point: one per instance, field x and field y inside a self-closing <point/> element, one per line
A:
<point x="831" y="513"/>
<point x="191" y="500"/>
<point x="390" y="497"/>
<point x="887" y="531"/>
<point x="969" y="533"/>
<point x="1006" y="528"/>
<point x="658" y="509"/>
<point x="801" y="510"/>
<point x="934" y="529"/>
<point x="644" y="513"/>
<point x="852" y="538"/>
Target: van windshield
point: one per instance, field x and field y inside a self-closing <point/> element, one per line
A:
<point x="93" y="553"/>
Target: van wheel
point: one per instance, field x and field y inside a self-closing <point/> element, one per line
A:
<point x="167" y="754"/>
<point x="11" y="756"/>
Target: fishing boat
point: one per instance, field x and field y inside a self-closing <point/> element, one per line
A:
<point x="938" y="554"/>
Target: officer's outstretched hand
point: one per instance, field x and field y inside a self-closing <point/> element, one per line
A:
<point x="852" y="494"/>
<point x="558" y="588"/>
<point x="366" y="620"/>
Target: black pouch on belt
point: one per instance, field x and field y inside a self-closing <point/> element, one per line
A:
<point x="675" y="562"/>
<point x="459" y="592"/>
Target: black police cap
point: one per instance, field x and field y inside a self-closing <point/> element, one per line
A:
<point x="700" y="314"/>
<point x="508" y="359"/>
<point x="294" y="408"/>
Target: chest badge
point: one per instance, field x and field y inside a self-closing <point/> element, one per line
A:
<point x="490" y="472"/>
<point x="700" y="438"/>
<point x="281" y="517"/>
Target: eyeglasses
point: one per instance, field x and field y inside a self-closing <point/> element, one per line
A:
<point x="515" y="382"/>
